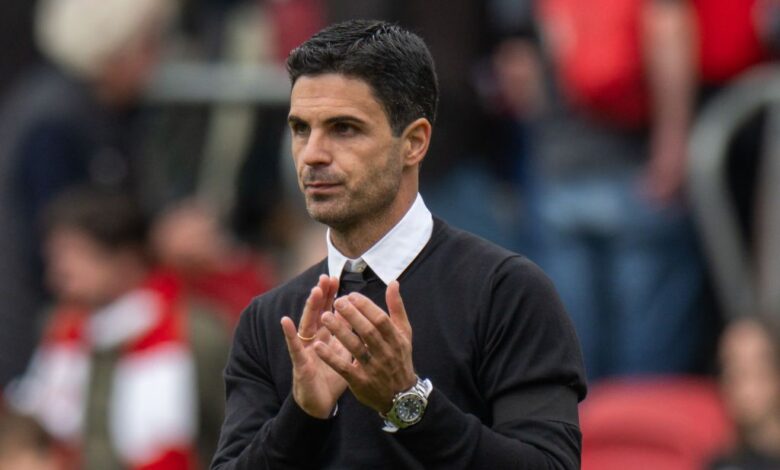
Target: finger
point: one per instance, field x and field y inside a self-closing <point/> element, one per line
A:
<point x="339" y="363"/>
<point x="378" y="317"/>
<point x="395" y="305"/>
<point x="335" y="345"/>
<point x="311" y="313"/>
<point x="343" y="332"/>
<point x="368" y="333"/>
<point x="349" y="312"/>
<point x="330" y="294"/>
<point x="294" y="344"/>
<point x="323" y="282"/>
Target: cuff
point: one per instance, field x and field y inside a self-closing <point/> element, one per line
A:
<point x="295" y="432"/>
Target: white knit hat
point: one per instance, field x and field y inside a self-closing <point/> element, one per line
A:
<point x="81" y="35"/>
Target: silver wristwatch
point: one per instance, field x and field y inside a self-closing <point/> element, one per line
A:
<point x="408" y="406"/>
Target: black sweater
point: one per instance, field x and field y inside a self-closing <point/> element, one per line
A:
<point x="488" y="330"/>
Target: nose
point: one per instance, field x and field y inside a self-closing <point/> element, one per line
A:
<point x="315" y="150"/>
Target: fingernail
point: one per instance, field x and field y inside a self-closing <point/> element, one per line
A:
<point x="340" y="303"/>
<point x="326" y="317"/>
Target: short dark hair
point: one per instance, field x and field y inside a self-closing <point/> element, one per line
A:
<point x="395" y="62"/>
<point x="112" y="219"/>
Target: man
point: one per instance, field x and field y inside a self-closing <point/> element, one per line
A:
<point x="449" y="353"/>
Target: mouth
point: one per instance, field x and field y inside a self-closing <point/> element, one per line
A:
<point x="321" y="187"/>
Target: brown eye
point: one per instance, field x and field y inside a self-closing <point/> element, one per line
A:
<point x="344" y="128"/>
<point x="299" y="129"/>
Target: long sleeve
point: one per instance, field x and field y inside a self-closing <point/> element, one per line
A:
<point x="261" y="429"/>
<point x="531" y="375"/>
<point x="448" y="438"/>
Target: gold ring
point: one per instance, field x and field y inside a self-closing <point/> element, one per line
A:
<point x="305" y="339"/>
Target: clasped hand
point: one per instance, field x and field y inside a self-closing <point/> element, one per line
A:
<point x="355" y="344"/>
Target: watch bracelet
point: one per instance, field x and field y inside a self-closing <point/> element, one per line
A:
<point x="423" y="387"/>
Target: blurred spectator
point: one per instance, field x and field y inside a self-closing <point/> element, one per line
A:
<point x="128" y="371"/>
<point x="609" y="148"/>
<point x="25" y="445"/>
<point x="750" y="383"/>
<point x="69" y="121"/>
<point x="189" y="239"/>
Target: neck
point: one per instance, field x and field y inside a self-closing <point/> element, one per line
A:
<point x="133" y="278"/>
<point x="355" y="240"/>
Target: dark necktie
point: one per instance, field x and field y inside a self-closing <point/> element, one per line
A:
<point x="367" y="283"/>
<point x="355" y="281"/>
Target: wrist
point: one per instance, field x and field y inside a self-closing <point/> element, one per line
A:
<point x="318" y="411"/>
<point x="408" y="406"/>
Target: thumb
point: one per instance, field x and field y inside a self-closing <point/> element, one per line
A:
<point x="395" y="306"/>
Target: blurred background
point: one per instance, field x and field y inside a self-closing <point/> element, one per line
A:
<point x="629" y="147"/>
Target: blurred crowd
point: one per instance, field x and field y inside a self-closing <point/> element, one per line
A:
<point x="563" y="134"/>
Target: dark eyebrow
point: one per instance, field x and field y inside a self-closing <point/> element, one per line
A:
<point x="345" y="118"/>
<point x="295" y="120"/>
<point x="292" y="119"/>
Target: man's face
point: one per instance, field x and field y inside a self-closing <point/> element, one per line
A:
<point x="79" y="269"/>
<point x="348" y="162"/>
<point x="127" y="73"/>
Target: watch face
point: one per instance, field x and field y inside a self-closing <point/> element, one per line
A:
<point x="409" y="408"/>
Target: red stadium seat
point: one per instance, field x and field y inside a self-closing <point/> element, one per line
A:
<point x="653" y="424"/>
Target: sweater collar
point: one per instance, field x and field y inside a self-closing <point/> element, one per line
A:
<point x="390" y="256"/>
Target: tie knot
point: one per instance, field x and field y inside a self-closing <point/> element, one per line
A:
<point x="354" y="281"/>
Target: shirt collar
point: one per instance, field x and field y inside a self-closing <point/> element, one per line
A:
<point x="390" y="256"/>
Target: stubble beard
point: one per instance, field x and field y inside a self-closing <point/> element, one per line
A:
<point x="369" y="203"/>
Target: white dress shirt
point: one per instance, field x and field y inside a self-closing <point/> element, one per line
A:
<point x="390" y="256"/>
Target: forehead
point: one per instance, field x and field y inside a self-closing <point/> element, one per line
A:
<point x="327" y="95"/>
<point x="71" y="235"/>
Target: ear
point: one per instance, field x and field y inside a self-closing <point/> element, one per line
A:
<point x="416" y="138"/>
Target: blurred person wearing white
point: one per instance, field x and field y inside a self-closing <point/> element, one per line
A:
<point x="127" y="373"/>
<point x="71" y="120"/>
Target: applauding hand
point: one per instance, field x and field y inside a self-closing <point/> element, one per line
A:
<point x="380" y="344"/>
<point x="316" y="386"/>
